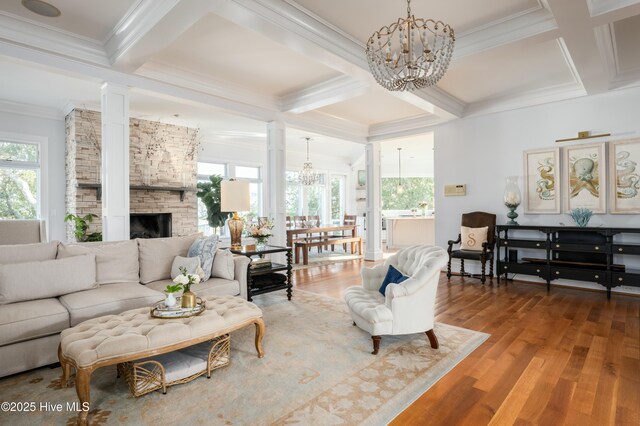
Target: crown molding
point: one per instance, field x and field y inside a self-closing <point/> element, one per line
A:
<point x="526" y="99"/>
<point x="403" y="127"/>
<point x="529" y="23"/>
<point x="601" y="7"/>
<point x="17" y="29"/>
<point x="334" y="90"/>
<point x="176" y="75"/>
<point x="38" y="111"/>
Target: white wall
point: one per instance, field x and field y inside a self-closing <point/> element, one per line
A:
<point x="53" y="130"/>
<point x="482" y="151"/>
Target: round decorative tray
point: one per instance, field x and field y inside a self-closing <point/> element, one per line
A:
<point x="159" y="310"/>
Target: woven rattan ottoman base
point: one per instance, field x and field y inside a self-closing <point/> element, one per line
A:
<point x="176" y="368"/>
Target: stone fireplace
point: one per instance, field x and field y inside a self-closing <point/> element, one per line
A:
<point x="162" y="160"/>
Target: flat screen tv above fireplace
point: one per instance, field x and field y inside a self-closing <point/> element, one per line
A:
<point x="150" y="225"/>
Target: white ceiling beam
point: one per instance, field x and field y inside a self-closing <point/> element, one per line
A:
<point x="334" y="90"/>
<point x="576" y="29"/>
<point x="513" y="28"/>
<point x="403" y="127"/>
<point x="148" y="28"/>
<point x="17" y="29"/>
<point x="602" y="7"/>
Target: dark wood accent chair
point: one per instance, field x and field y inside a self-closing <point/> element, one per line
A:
<point x="475" y="220"/>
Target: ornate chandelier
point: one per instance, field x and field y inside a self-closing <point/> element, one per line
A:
<point x="418" y="56"/>
<point x="307" y="175"/>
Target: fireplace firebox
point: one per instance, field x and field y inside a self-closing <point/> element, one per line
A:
<point x="150" y="225"/>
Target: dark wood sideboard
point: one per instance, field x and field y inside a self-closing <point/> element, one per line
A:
<point x="598" y="255"/>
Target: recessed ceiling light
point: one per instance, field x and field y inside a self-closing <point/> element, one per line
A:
<point x="41" y="8"/>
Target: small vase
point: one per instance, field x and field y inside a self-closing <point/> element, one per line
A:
<point x="188" y="300"/>
<point x="261" y="243"/>
<point x="170" y="300"/>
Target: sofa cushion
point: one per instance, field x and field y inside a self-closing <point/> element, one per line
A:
<point x="223" y="265"/>
<point x="211" y="287"/>
<point x="48" y="278"/>
<point x="20" y="253"/>
<point x="157" y="254"/>
<point x="107" y="300"/>
<point x="191" y="264"/>
<point x="31" y="320"/>
<point x="116" y="261"/>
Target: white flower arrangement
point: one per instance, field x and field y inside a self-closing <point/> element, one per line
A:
<point x="186" y="280"/>
<point x="262" y="229"/>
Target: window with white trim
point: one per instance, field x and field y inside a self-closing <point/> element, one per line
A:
<point x="20" y="179"/>
<point x="252" y="174"/>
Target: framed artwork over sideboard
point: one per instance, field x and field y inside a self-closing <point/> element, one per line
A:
<point x="624" y="175"/>
<point x="542" y="181"/>
<point x="585" y="178"/>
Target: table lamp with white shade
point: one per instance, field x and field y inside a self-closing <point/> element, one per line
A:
<point x="234" y="197"/>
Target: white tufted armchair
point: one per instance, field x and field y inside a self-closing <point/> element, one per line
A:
<point x="406" y="308"/>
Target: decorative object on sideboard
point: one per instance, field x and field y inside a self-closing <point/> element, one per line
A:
<point x="581" y="216"/>
<point x="234" y="197"/>
<point x="411" y="53"/>
<point x="624" y="170"/>
<point x="399" y="187"/>
<point x="512" y="198"/>
<point x="541" y="181"/>
<point x="585" y="177"/>
<point x="307" y="175"/>
<point x="584" y="135"/>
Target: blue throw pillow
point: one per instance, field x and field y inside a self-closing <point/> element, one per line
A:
<point x="393" y="277"/>
<point x="205" y="249"/>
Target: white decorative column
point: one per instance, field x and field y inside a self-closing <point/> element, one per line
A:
<point x="276" y="183"/>
<point x="115" y="162"/>
<point x="373" y="249"/>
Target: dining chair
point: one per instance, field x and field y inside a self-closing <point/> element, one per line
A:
<point x="349" y="219"/>
<point x="314" y="221"/>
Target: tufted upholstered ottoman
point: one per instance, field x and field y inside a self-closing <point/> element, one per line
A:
<point x="133" y="335"/>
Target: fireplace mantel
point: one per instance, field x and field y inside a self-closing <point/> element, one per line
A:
<point x="181" y="190"/>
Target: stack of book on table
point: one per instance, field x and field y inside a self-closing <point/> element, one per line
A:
<point x="260" y="263"/>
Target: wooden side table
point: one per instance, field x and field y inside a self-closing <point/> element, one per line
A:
<point x="267" y="279"/>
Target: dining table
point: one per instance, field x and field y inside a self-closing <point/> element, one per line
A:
<point x="322" y="229"/>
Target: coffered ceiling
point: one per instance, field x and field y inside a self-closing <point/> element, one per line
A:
<point x="302" y="61"/>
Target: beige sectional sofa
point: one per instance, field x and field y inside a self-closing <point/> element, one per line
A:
<point x="48" y="287"/>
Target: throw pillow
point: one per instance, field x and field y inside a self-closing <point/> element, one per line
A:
<point x="192" y="264"/>
<point x="205" y="249"/>
<point x="393" y="277"/>
<point x="223" y="265"/>
<point x="156" y="255"/>
<point x="473" y="238"/>
<point x="20" y="282"/>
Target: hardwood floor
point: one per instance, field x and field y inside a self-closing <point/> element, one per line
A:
<point x="569" y="357"/>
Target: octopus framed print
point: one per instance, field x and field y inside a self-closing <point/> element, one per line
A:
<point x="585" y="178"/>
<point x="542" y="181"/>
<point x="624" y="171"/>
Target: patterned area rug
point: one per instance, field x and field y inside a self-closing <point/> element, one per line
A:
<point x="317" y="371"/>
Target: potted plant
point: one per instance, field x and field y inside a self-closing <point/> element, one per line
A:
<point x="185" y="281"/>
<point x="82" y="225"/>
<point x="170" y="292"/>
<point x="209" y="193"/>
